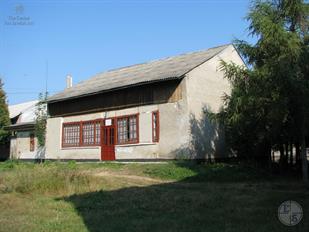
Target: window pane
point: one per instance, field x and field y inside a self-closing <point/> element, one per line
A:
<point x="132" y="128"/>
<point x="105" y="136"/>
<point x="71" y="134"/>
<point x="88" y="133"/>
<point x="155" y="126"/>
<point x="127" y="129"/>
<point x="98" y="133"/>
<point x="32" y="144"/>
<point x="122" y="130"/>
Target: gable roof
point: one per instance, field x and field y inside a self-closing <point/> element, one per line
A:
<point x="159" y="70"/>
<point x="17" y="109"/>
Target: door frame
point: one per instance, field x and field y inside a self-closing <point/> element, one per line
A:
<point x="105" y="157"/>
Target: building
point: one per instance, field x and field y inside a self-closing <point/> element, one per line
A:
<point x="23" y="143"/>
<point x="148" y="111"/>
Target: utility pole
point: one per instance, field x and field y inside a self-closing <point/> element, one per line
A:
<point x="46" y="78"/>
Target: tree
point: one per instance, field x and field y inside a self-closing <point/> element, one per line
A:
<point x="4" y="116"/>
<point x="268" y="106"/>
<point x="41" y="119"/>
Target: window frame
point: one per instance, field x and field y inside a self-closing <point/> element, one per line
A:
<point x="157" y="129"/>
<point x="102" y="123"/>
<point x="31" y="142"/>
<point x="80" y="141"/>
<point x="135" y="141"/>
<point x="82" y="144"/>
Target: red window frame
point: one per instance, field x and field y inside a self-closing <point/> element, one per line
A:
<point x="129" y="130"/>
<point x="155" y="126"/>
<point x="100" y="122"/>
<point x="32" y="143"/>
<point x="95" y="140"/>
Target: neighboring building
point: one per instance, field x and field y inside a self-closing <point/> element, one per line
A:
<point x="146" y="111"/>
<point x="23" y="144"/>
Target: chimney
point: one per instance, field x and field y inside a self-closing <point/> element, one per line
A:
<point x="69" y="81"/>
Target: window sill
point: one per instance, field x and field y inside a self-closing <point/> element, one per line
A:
<point x="135" y="144"/>
<point x="83" y="147"/>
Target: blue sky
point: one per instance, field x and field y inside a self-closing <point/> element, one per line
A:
<point x="83" y="38"/>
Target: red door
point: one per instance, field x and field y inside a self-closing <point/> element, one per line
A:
<point x="108" y="143"/>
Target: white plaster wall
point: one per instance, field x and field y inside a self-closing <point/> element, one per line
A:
<point x="206" y="86"/>
<point x="145" y="149"/>
<point x="53" y="141"/>
<point x="13" y="147"/>
<point x="174" y="130"/>
<point x="174" y="133"/>
<point x="84" y="117"/>
<point x="145" y="122"/>
<point x="137" y="151"/>
<point x="20" y="146"/>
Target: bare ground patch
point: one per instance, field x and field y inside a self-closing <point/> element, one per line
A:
<point x="135" y="178"/>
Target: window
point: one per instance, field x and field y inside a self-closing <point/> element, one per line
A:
<point x="127" y="129"/>
<point x="155" y="126"/>
<point x="71" y="135"/>
<point x="32" y="142"/>
<point x="87" y="133"/>
<point x="97" y="132"/>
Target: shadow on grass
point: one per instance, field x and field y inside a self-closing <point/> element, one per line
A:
<point x="214" y="199"/>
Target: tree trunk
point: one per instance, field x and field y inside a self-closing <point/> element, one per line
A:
<point x="303" y="150"/>
<point x="268" y="153"/>
<point x="281" y="160"/>
<point x="297" y="157"/>
<point x="291" y="154"/>
<point x="286" y="158"/>
<point x="281" y="150"/>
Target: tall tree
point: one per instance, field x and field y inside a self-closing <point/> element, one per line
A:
<point x="41" y="119"/>
<point x="4" y="116"/>
<point x="269" y="103"/>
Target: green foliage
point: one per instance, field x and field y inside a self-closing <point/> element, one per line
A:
<point x="72" y="164"/>
<point x="268" y="105"/>
<point x="51" y="178"/>
<point x="4" y="116"/>
<point x="171" y="171"/>
<point x="41" y="119"/>
<point x="9" y="164"/>
<point x="108" y="165"/>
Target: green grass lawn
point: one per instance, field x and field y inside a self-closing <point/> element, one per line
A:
<point x="173" y="196"/>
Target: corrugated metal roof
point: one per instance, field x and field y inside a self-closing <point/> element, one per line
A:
<point x="15" y="110"/>
<point x="158" y="70"/>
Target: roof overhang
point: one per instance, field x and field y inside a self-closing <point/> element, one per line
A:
<point x="26" y="126"/>
<point x="114" y="89"/>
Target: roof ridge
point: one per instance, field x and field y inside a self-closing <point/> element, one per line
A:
<point x="22" y="103"/>
<point x="29" y="107"/>
<point x="162" y="59"/>
<point x="159" y="69"/>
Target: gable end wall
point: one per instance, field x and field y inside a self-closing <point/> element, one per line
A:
<point x="206" y="86"/>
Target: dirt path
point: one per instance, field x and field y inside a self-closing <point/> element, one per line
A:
<point x="130" y="177"/>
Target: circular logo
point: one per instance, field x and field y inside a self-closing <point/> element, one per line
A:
<point x="290" y="213"/>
